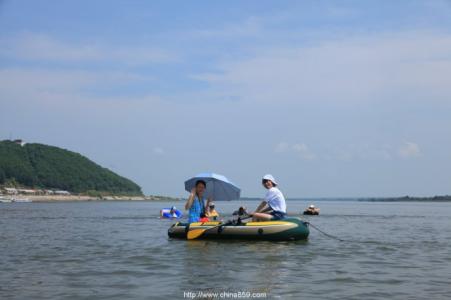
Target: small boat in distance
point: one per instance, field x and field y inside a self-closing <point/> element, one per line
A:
<point x="170" y="213"/>
<point x="22" y="200"/>
<point x="5" y="200"/>
<point x="311" y="210"/>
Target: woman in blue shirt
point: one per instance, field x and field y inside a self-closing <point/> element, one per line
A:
<point x="196" y="202"/>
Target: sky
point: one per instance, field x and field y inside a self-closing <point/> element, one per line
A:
<point x="334" y="98"/>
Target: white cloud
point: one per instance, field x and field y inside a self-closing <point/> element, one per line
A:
<point x="158" y="150"/>
<point x="50" y="86"/>
<point x="251" y="26"/>
<point x="409" y="150"/>
<point x="282" y="147"/>
<point x="304" y="151"/>
<point x="60" y="92"/>
<point x="300" y="149"/>
<point x="397" y="67"/>
<point x="357" y="151"/>
<point x="363" y="151"/>
<point x="62" y="79"/>
<point x="41" y="47"/>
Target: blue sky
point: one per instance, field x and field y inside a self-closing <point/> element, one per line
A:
<point x="334" y="98"/>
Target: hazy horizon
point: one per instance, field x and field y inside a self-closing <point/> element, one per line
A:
<point x="349" y="100"/>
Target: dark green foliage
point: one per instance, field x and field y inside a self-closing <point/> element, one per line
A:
<point x="15" y="164"/>
<point x="51" y="167"/>
<point x="2" y="176"/>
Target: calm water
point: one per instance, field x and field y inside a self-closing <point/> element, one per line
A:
<point x="120" y="250"/>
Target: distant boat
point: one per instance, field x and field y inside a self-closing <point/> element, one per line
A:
<point x="165" y="213"/>
<point x="311" y="210"/>
<point x="5" y="200"/>
<point x="23" y="200"/>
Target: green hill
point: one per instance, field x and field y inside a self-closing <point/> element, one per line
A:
<point x="43" y="166"/>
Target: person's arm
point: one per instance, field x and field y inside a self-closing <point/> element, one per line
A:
<point x="190" y="200"/>
<point x="266" y="209"/>
<point x="261" y="207"/>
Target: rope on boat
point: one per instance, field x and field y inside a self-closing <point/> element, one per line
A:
<point x="337" y="238"/>
<point x="326" y="234"/>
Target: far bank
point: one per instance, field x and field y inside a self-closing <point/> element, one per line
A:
<point x="68" y="198"/>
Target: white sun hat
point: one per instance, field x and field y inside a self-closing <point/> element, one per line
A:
<point x="270" y="178"/>
<point x="312" y="206"/>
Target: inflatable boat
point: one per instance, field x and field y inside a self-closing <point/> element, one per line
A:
<point x="165" y="213"/>
<point x="281" y="230"/>
<point x="311" y="213"/>
<point x="311" y="210"/>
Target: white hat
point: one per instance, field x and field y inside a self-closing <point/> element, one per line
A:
<point x="312" y="206"/>
<point x="270" y="178"/>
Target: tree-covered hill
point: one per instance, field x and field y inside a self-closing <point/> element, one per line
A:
<point x="43" y="166"/>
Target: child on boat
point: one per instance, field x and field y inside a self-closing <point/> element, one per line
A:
<point x="273" y="207"/>
<point x="241" y="211"/>
<point x="211" y="212"/>
<point x="203" y="218"/>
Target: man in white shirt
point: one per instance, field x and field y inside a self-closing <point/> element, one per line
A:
<point x="273" y="207"/>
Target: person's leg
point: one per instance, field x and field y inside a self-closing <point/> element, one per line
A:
<point x="276" y="215"/>
<point x="261" y="217"/>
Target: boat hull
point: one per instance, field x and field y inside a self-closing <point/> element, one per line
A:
<point x="311" y="213"/>
<point x="22" y="200"/>
<point x="282" y="230"/>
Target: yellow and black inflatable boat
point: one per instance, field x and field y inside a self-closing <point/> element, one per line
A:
<point x="281" y="230"/>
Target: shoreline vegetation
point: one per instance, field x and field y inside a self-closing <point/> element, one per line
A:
<point x="43" y="173"/>
<point x="71" y="198"/>
<point x="40" y="169"/>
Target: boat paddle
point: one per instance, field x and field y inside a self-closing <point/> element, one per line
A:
<point x="195" y="233"/>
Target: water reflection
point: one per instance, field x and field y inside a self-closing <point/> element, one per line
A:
<point x="240" y="265"/>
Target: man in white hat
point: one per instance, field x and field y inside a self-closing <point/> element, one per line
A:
<point x="311" y="210"/>
<point x="273" y="207"/>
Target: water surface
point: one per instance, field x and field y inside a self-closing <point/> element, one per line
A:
<point x="120" y="250"/>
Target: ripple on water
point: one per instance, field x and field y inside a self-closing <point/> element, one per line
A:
<point x="118" y="251"/>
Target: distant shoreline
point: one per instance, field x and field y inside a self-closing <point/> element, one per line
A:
<point x="446" y="198"/>
<point x="408" y="199"/>
<point x="72" y="198"/>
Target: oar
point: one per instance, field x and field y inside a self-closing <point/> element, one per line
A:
<point x="195" y="233"/>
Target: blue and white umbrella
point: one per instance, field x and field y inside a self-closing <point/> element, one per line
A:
<point x="218" y="186"/>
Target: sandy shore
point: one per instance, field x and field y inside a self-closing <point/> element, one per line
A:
<point x="58" y="198"/>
